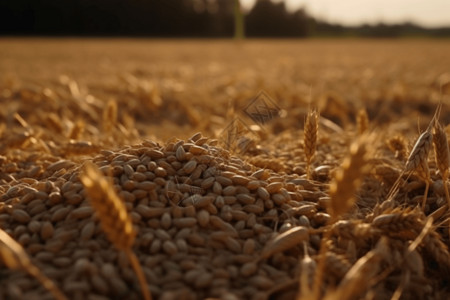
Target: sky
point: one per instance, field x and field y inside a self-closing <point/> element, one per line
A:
<point x="429" y="13"/>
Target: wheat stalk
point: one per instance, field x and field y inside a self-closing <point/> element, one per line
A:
<point x="114" y="218"/>
<point x="310" y="138"/>
<point x="15" y="258"/>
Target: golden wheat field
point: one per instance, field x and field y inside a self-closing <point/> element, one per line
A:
<point x="194" y="169"/>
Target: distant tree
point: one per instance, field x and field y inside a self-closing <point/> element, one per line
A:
<point x="180" y="18"/>
<point x="269" y="19"/>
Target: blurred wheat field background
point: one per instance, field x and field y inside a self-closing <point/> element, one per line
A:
<point x="326" y="200"/>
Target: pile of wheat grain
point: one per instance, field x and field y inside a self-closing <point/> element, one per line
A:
<point x="208" y="224"/>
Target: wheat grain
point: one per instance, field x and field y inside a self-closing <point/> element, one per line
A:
<point x="111" y="211"/>
<point x="15" y="257"/>
<point x="228" y="215"/>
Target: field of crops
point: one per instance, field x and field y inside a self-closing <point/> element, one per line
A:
<point x="193" y="169"/>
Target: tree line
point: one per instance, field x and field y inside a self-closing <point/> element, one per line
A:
<point x="178" y="18"/>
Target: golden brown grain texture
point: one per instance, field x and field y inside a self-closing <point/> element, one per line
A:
<point x="114" y="218"/>
<point x="14" y="257"/>
<point x="155" y="117"/>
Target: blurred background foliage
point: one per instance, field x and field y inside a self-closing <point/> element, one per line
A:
<point x="179" y="18"/>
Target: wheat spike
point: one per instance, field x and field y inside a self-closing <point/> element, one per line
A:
<point x="348" y="178"/>
<point x="15" y="257"/>
<point x="110" y="116"/>
<point x="419" y="153"/>
<point x="362" y="121"/>
<point x="418" y="159"/>
<point x="342" y="193"/>
<point x="442" y="155"/>
<point x="77" y="130"/>
<point x="392" y="222"/>
<point x="114" y="218"/>
<point x="310" y="138"/>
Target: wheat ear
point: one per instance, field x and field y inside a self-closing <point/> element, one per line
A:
<point x="418" y="159"/>
<point x="442" y="155"/>
<point x="310" y="138"/>
<point x="342" y="192"/>
<point x="362" y="121"/>
<point x="348" y="178"/>
<point x="15" y="257"/>
<point x="114" y="218"/>
<point x="110" y="116"/>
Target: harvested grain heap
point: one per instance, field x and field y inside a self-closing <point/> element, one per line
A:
<point x="207" y="226"/>
<point x="331" y="200"/>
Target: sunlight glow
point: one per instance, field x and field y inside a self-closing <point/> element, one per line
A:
<point x="430" y="13"/>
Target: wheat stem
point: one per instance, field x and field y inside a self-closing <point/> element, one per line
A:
<point x="425" y="194"/>
<point x="318" y="278"/>
<point x="139" y="273"/>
